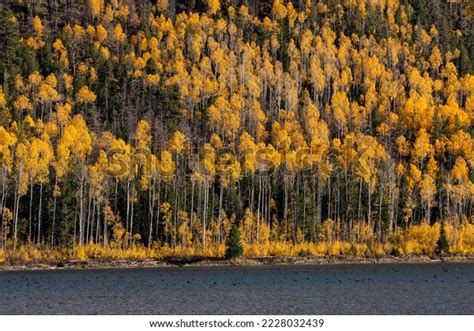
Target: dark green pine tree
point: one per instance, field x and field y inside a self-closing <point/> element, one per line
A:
<point x="233" y="244"/>
<point x="9" y="42"/>
<point x="443" y="244"/>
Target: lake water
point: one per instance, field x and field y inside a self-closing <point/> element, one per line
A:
<point x="325" y="289"/>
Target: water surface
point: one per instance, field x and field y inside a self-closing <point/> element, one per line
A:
<point x="325" y="289"/>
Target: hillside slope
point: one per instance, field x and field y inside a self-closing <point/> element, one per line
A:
<point x="319" y="127"/>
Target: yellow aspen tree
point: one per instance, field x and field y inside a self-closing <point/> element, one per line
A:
<point x="118" y="34"/>
<point x="40" y="157"/>
<point x="427" y="192"/>
<point x="22" y="103"/>
<point x="96" y="7"/>
<point x="214" y="6"/>
<point x="185" y="235"/>
<point x="177" y="142"/>
<point x="162" y="5"/>
<point x="7" y="143"/>
<point x="21" y="183"/>
<point x="85" y="95"/>
<point x="247" y="148"/>
<point x="97" y="181"/>
<point x="38" y="26"/>
<point x="167" y="216"/>
<point x="143" y="139"/>
<point x="207" y="171"/>
<point x="460" y="170"/>
<point x="74" y="147"/>
<point x="422" y="147"/>
<point x="341" y="109"/>
<point x="166" y="165"/>
<point x="279" y="11"/>
<point x="3" y="101"/>
<point x="101" y="33"/>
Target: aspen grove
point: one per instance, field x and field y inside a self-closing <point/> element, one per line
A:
<point x="135" y="129"/>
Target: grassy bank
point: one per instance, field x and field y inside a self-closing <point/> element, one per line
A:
<point x="200" y="261"/>
<point x="414" y="240"/>
<point x="94" y="256"/>
<point x="413" y="244"/>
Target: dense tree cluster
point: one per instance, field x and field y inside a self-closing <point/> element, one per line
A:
<point x="163" y="123"/>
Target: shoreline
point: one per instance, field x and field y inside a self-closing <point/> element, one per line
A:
<point x="204" y="262"/>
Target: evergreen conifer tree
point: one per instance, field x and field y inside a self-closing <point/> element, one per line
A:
<point x="443" y="245"/>
<point x="233" y="244"/>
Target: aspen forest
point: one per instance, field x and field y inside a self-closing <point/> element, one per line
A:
<point x="133" y="129"/>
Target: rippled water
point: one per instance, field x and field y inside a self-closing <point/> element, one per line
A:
<point x="326" y="289"/>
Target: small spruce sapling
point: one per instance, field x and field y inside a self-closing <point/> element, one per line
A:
<point x="233" y="244"/>
<point x="443" y="244"/>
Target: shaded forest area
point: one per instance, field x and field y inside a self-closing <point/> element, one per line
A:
<point x="149" y="128"/>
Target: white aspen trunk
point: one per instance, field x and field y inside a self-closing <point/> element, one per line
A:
<point x="40" y="206"/>
<point x="30" y="219"/>
<point x="54" y="212"/>
<point x="17" y="203"/>
<point x="221" y="200"/>
<point x="192" y="207"/>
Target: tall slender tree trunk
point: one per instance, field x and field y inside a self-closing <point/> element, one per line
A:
<point x="30" y="219"/>
<point x="379" y="230"/>
<point x="132" y="205"/>
<point x="285" y="210"/>
<point x="55" y="199"/>
<point x="369" y="204"/>
<point x="81" y="209"/>
<point x="128" y="210"/>
<point x="40" y="207"/>
<point x="97" y="226"/>
<point x="151" y="210"/>
<point x="204" y="212"/>
<point x="192" y="207"/>
<point x="221" y="200"/>
<point x="16" y="208"/>
<point x="89" y="217"/>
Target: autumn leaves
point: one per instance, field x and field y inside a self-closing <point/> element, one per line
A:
<point x="133" y="123"/>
